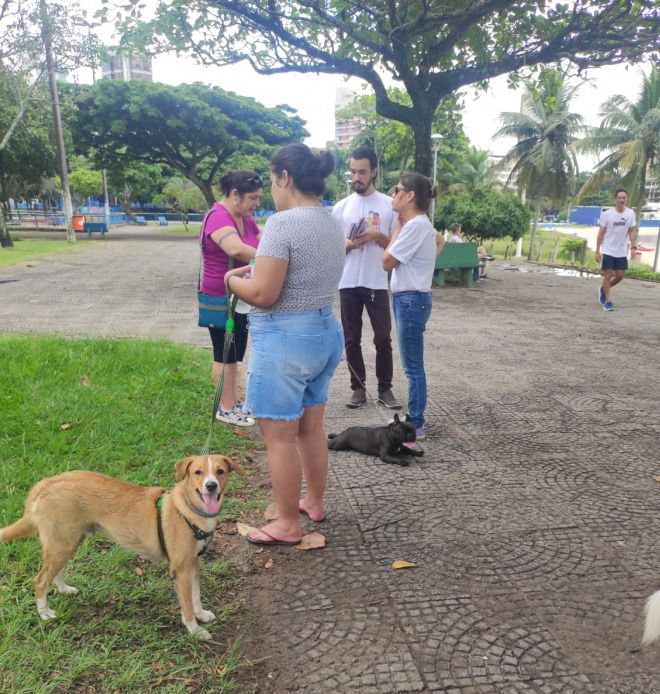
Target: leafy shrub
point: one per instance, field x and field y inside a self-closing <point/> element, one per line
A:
<point x="484" y="214"/>
<point x="571" y="248"/>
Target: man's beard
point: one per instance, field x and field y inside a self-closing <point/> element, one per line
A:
<point x="359" y="187"/>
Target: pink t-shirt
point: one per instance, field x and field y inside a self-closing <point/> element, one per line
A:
<point x="215" y="262"/>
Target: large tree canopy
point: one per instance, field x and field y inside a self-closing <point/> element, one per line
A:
<point x="191" y="128"/>
<point x="431" y="47"/>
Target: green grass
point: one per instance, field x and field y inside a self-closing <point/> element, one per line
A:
<point x="28" y="249"/>
<point x="129" y="409"/>
<point x="549" y="239"/>
<point x="179" y="228"/>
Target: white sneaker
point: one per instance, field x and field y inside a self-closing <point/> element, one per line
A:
<point x="234" y="417"/>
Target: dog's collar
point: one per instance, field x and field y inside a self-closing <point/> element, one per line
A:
<point x="202" y="535"/>
<point x="389" y="435"/>
<point x="199" y="511"/>
<point x="198" y="533"/>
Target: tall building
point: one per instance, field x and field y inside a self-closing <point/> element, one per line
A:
<point x="125" y="67"/>
<point x="346" y="128"/>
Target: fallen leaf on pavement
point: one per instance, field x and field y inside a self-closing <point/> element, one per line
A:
<point x="268" y="564"/>
<point x="270" y="514"/>
<point x="312" y="541"/>
<point x="401" y="564"/>
<point x="657" y="478"/>
<point x="243" y="528"/>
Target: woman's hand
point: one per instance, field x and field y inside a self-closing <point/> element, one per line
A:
<point x="242" y="271"/>
<point x="265" y="285"/>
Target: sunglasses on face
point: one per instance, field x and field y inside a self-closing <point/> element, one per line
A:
<point x="255" y="180"/>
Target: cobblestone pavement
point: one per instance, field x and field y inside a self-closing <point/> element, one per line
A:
<point x="533" y="519"/>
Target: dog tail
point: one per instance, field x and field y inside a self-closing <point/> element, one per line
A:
<point x="21" y="528"/>
<point x="652" y="624"/>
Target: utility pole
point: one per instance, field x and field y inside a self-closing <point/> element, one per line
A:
<point x="57" y="122"/>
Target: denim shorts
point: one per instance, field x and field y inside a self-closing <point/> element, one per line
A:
<point x="294" y="355"/>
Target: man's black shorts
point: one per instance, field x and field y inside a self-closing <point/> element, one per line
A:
<point x="239" y="345"/>
<point x="609" y="262"/>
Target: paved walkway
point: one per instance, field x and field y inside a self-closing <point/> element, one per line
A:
<point x="534" y="519"/>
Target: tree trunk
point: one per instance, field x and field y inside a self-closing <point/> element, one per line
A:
<point x="57" y="122"/>
<point x="532" y="237"/>
<point x="207" y="191"/>
<point x="5" y="238"/>
<point x="422" y="134"/>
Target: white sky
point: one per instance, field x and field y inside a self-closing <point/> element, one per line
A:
<point x="313" y="96"/>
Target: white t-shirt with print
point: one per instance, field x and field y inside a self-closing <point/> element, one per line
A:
<point x="617" y="224"/>
<point x="364" y="266"/>
<point x="415" y="249"/>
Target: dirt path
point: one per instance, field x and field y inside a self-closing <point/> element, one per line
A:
<point x="533" y="519"/>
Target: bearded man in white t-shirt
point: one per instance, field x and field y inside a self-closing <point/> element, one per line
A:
<point x="367" y="219"/>
<point x="617" y="228"/>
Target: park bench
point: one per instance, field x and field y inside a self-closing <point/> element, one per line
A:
<point x="162" y="221"/>
<point x="90" y="227"/>
<point x="140" y="220"/>
<point x="460" y="257"/>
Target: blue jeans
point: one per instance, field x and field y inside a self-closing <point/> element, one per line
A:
<point x="411" y="313"/>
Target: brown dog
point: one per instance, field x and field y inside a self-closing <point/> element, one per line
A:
<point x="65" y="508"/>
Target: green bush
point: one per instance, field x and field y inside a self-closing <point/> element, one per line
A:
<point x="572" y="248"/>
<point x="484" y="214"/>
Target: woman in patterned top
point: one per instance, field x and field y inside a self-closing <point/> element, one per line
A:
<point x="296" y="339"/>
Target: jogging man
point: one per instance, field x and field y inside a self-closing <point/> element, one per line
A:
<point x="617" y="228"/>
<point x="367" y="219"/>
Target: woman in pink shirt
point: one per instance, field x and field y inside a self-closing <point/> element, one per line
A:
<point x="229" y="231"/>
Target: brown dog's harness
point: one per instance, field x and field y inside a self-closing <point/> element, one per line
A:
<point x="198" y="533"/>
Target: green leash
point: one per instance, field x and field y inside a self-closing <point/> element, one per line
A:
<point x="229" y="339"/>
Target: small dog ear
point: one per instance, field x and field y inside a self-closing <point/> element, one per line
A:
<point x="236" y="466"/>
<point x="181" y="468"/>
<point x="396" y="418"/>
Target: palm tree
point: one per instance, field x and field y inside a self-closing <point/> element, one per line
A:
<point x="630" y="133"/>
<point x="543" y="158"/>
<point x="473" y="170"/>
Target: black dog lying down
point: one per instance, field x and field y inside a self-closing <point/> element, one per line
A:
<point x="385" y="442"/>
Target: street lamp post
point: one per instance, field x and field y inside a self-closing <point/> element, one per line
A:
<point x="106" y="202"/>
<point x="347" y="177"/>
<point x="435" y="139"/>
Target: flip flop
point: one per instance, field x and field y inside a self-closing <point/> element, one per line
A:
<point x="305" y="512"/>
<point x="272" y="540"/>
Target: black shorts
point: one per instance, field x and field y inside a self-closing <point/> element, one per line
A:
<point x="239" y="344"/>
<point x="609" y="262"/>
